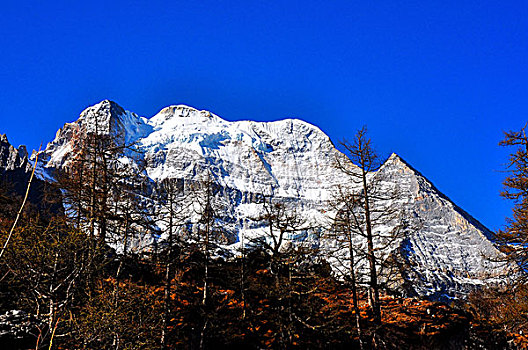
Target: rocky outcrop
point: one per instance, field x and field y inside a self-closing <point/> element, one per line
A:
<point x="11" y="158"/>
<point x="15" y="172"/>
<point x="14" y="168"/>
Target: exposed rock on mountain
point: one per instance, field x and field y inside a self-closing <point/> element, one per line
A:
<point x="11" y="158"/>
<point x="447" y="254"/>
<point x="15" y="171"/>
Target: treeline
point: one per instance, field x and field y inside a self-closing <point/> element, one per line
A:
<point x="102" y="300"/>
<point x="118" y="270"/>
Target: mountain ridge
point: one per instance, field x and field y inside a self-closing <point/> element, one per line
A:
<point x="292" y="161"/>
<point x="487" y="232"/>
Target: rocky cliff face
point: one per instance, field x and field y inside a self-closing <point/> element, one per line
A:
<point x="447" y="253"/>
<point x="15" y="171"/>
<point x="14" y="168"/>
<point x="12" y="158"/>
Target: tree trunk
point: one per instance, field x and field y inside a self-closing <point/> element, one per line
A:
<point x="373" y="285"/>
<point x="168" y="277"/>
<point x="355" y="298"/>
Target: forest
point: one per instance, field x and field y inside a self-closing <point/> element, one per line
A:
<point x="99" y="272"/>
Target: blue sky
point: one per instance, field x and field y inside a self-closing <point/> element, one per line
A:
<point x="435" y="81"/>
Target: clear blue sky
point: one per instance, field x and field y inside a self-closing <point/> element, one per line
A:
<point x="435" y="81"/>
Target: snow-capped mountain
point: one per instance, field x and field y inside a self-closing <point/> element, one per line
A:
<point x="293" y="161"/>
<point x="288" y="158"/>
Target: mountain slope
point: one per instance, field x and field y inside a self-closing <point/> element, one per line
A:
<point x="450" y="252"/>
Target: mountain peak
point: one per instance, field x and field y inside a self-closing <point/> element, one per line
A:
<point x="395" y="158"/>
<point x="179" y="111"/>
<point x="174" y="109"/>
<point x="106" y="107"/>
<point x="108" y="104"/>
<point x="108" y="117"/>
<point x="397" y="162"/>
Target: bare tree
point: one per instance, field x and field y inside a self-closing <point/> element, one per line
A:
<point x="174" y="215"/>
<point x="282" y="224"/>
<point x="286" y="240"/>
<point x="342" y="233"/>
<point x="21" y="208"/>
<point x="368" y="211"/>
<point x="101" y="184"/>
<point x="208" y="231"/>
